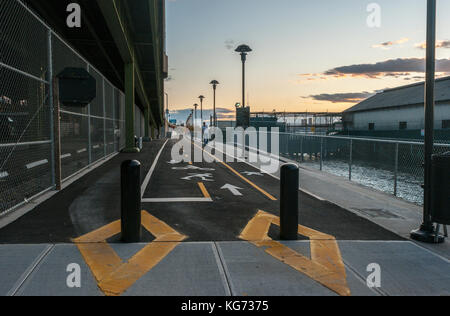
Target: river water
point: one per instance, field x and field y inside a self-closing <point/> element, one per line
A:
<point x="408" y="184"/>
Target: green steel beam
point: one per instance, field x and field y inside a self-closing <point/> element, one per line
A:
<point x="130" y="146"/>
<point x="114" y="14"/>
<point x="157" y="49"/>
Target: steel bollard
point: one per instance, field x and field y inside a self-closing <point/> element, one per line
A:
<point x="131" y="201"/>
<point x="289" y="202"/>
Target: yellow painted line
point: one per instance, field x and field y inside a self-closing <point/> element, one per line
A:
<point x="128" y="274"/>
<point x="114" y="276"/>
<point x="325" y="266"/>
<point x="242" y="177"/>
<point x="204" y="191"/>
<point x="101" y="234"/>
<point x="159" y="229"/>
<point x="101" y="259"/>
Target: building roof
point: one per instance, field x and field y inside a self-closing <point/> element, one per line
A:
<point x="403" y="96"/>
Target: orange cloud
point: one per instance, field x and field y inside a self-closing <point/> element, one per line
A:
<point x="388" y="45"/>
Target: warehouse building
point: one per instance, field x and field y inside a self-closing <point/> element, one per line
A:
<point x="399" y="113"/>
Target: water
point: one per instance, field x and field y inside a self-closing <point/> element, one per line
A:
<point x="408" y="185"/>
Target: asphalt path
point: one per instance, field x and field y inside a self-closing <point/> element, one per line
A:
<point x="238" y="192"/>
<point x="203" y="201"/>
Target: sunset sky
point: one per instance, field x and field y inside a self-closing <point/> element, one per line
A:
<point x="307" y="55"/>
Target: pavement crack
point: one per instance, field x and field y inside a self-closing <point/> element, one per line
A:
<point x="26" y="275"/>
<point x="223" y="270"/>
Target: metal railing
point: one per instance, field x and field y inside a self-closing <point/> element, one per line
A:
<point x="392" y="166"/>
<point x="31" y="54"/>
<point x="389" y="165"/>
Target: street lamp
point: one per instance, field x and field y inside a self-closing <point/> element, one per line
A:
<point x="167" y="113"/>
<point x="201" y="108"/>
<point x="215" y="83"/>
<point x="243" y="50"/>
<point x="195" y="114"/>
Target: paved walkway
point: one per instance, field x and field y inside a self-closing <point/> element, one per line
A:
<point x="227" y="268"/>
<point x="386" y="210"/>
<point x="210" y="229"/>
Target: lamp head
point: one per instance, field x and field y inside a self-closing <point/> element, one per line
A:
<point x="243" y="49"/>
<point x="214" y="83"/>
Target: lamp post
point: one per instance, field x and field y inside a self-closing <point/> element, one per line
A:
<point x="167" y="113"/>
<point x="243" y="50"/>
<point x="195" y="114"/>
<point x="214" y="83"/>
<point x="426" y="231"/>
<point x="201" y="108"/>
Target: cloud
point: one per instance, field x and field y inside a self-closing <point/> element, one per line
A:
<point x="439" y="44"/>
<point x="397" y="68"/>
<point x="351" y="97"/>
<point x="388" y="45"/>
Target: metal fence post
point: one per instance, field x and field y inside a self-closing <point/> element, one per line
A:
<point x="301" y="149"/>
<point x="396" y="171"/>
<point x="104" y="119"/>
<point x="321" y="153"/>
<point x="114" y="117"/>
<point x="350" y="165"/>
<point x="50" y="101"/>
<point x="89" y="130"/>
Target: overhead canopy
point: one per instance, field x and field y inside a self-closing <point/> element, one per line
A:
<point x="113" y="33"/>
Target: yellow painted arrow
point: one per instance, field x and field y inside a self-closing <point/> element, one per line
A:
<point x="114" y="276"/>
<point x="325" y="266"/>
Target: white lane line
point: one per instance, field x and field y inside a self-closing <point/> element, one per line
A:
<point x="3" y="174"/>
<point x="81" y="151"/>
<point x="152" y="169"/>
<point x="66" y="156"/>
<point x="96" y="147"/>
<point x="36" y="164"/>
<point x="177" y="200"/>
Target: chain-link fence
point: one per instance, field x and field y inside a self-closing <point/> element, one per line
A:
<point x="391" y="166"/>
<point x="31" y="54"/>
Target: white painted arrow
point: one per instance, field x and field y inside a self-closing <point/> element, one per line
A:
<point x="233" y="189"/>
<point x="250" y="173"/>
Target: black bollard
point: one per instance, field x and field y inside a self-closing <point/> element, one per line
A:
<point x="289" y="202"/>
<point x="131" y="201"/>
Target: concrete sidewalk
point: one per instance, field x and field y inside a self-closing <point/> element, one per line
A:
<point x="385" y="210"/>
<point x="227" y="268"/>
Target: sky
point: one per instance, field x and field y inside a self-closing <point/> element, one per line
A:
<point x="307" y="55"/>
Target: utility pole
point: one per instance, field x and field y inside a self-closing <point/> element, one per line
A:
<point x="214" y="83"/>
<point x="426" y="231"/>
<point x="243" y="50"/>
